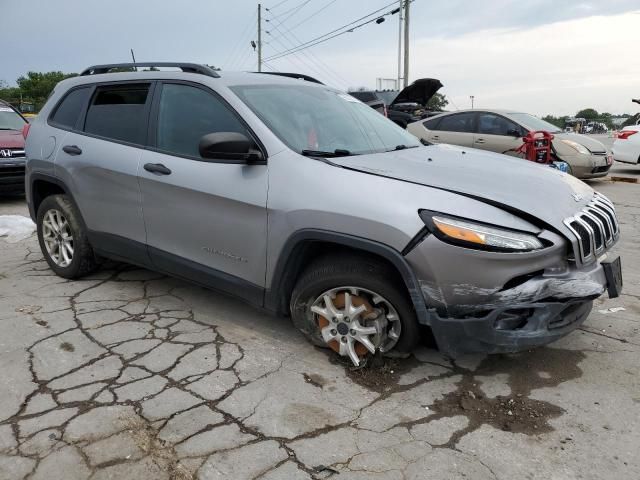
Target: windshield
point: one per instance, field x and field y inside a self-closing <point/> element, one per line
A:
<point x="10" y="120"/>
<point x="310" y="118"/>
<point x="534" y="123"/>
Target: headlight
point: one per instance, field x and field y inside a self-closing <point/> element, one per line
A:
<point x="577" y="147"/>
<point x="476" y="235"/>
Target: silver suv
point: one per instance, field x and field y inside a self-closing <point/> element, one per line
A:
<point x="302" y="200"/>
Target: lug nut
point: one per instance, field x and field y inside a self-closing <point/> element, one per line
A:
<point x="352" y="332"/>
<point x="343" y="339"/>
<point x="347" y="319"/>
<point x="334" y="332"/>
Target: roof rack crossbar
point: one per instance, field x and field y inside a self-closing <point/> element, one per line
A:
<point x="185" y="67"/>
<point x="299" y="76"/>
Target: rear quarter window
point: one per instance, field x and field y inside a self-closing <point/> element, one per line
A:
<point x="68" y="111"/>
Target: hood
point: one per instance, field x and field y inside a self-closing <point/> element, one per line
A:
<point x="537" y="190"/>
<point x="11" y="139"/>
<point x="592" y="144"/>
<point x="419" y="91"/>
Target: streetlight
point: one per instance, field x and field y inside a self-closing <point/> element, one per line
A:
<point x="472" y="97"/>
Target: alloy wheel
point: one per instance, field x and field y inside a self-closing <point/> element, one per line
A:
<point x="354" y="321"/>
<point x="57" y="237"/>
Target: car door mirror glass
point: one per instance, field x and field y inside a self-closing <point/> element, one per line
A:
<point x="515" y="132"/>
<point x="228" y="146"/>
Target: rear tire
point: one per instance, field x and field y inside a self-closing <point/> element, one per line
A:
<point x="360" y="272"/>
<point x="63" y="239"/>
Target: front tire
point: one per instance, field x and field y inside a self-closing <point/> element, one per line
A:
<point x="63" y="239"/>
<point x="354" y="305"/>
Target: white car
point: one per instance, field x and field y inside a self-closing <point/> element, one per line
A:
<point x="626" y="147"/>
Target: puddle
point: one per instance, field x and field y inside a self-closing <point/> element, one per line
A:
<point x="516" y="412"/>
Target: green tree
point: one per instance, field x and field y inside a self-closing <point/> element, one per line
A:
<point x="557" y="121"/>
<point x="37" y="86"/>
<point x="437" y="103"/>
<point x="588" y="114"/>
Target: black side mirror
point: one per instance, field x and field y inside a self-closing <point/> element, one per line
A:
<point x="515" y="132"/>
<point x="229" y="146"/>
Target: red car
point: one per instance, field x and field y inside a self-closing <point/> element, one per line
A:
<point x="12" y="157"/>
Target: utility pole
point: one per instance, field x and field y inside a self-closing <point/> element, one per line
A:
<point x="400" y="18"/>
<point x="259" y="37"/>
<point x="406" y="42"/>
<point x="133" y="56"/>
<point x="472" y="97"/>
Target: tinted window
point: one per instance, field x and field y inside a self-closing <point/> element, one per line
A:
<point x="118" y="113"/>
<point x="432" y="124"/>
<point x="68" y="111"/>
<point x="188" y="113"/>
<point x="458" y="122"/>
<point x="491" y="124"/>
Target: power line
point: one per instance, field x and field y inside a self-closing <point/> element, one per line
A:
<point x="312" y="15"/>
<point x="277" y="5"/>
<point x="292" y="11"/>
<point x="317" y="64"/>
<point x="237" y="49"/>
<point x="329" y="36"/>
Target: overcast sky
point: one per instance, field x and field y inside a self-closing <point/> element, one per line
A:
<point x="540" y="56"/>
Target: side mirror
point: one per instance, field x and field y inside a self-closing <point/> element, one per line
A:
<point x="229" y="146"/>
<point x="514" y="132"/>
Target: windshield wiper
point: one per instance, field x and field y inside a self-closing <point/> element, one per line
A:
<point x="402" y="147"/>
<point x="338" y="152"/>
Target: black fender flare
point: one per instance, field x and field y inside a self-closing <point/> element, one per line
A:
<point x="274" y="297"/>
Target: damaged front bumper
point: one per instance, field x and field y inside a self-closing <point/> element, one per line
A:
<point x="508" y="309"/>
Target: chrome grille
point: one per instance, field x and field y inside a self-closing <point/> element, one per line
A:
<point x="595" y="228"/>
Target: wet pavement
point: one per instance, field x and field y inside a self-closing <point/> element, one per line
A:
<point x="129" y="374"/>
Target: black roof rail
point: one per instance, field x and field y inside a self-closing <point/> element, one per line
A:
<point x="185" y="67"/>
<point x="299" y="76"/>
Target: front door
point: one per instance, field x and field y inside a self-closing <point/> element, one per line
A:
<point x="498" y="134"/>
<point x="206" y="220"/>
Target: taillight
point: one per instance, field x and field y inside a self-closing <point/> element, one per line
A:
<point x="25" y="130"/>
<point x="626" y="134"/>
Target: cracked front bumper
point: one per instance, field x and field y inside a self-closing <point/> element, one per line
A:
<point x="504" y="303"/>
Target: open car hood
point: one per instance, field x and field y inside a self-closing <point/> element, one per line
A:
<point x="419" y="91"/>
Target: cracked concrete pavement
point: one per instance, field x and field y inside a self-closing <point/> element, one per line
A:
<point x="129" y="374"/>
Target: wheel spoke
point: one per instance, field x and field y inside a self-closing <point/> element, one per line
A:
<point x="367" y="343"/>
<point x="326" y="334"/>
<point x="328" y="302"/>
<point x="346" y="348"/>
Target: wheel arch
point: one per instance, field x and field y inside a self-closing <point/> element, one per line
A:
<point x="305" y="245"/>
<point x="41" y="186"/>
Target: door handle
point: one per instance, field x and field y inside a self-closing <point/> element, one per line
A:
<point x="72" y="150"/>
<point x="435" y="137"/>
<point x="157" y="168"/>
<point x="480" y="140"/>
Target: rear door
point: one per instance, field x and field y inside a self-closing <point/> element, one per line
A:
<point x="99" y="160"/>
<point x="454" y="129"/>
<point x="206" y="219"/>
<point x="498" y="134"/>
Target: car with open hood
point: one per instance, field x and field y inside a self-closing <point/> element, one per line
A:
<point x="301" y="200"/>
<point x="12" y="157"/>
<point x="501" y="131"/>
<point x="404" y="107"/>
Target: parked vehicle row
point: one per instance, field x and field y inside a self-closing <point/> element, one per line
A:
<point x="501" y="131"/>
<point x="302" y="200"/>
<point x="12" y="156"/>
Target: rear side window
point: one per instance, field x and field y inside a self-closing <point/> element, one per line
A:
<point x="458" y="122"/>
<point x="188" y="113"/>
<point x="118" y="113"/>
<point x="491" y="124"/>
<point x="432" y="124"/>
<point x="70" y="108"/>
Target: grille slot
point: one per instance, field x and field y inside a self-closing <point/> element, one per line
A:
<point x="595" y="228"/>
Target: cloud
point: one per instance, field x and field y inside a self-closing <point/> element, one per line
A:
<point x="555" y="68"/>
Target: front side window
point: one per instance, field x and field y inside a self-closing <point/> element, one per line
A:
<point x="319" y="119"/>
<point x="186" y="114"/>
<point x="117" y="112"/>
<point x="491" y="124"/>
<point x="68" y="112"/>
<point x="458" y="122"/>
<point x="10" y="120"/>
